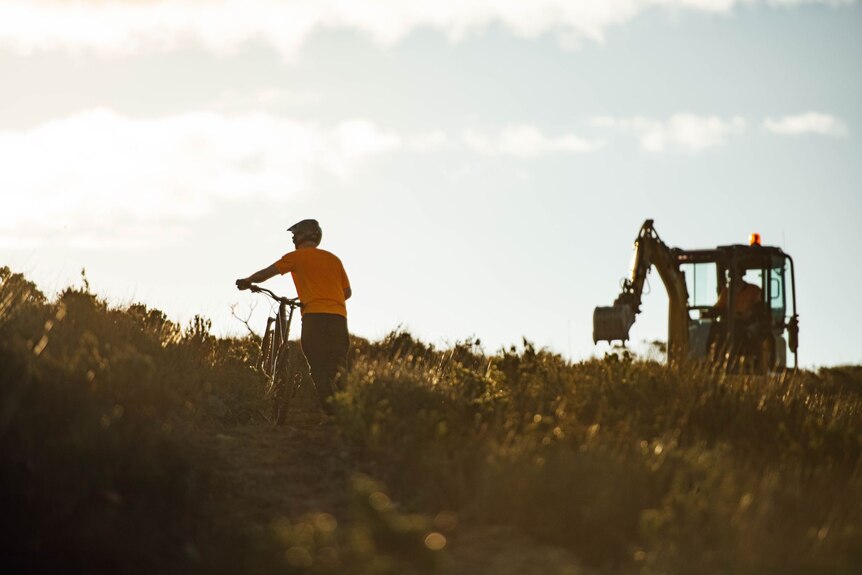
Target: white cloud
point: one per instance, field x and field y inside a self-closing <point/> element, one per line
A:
<point x="525" y="141"/>
<point x="682" y="132"/>
<point x="97" y="177"/>
<point x="271" y="99"/>
<point x="808" y="123"/>
<point x="115" y="28"/>
<point x="429" y="141"/>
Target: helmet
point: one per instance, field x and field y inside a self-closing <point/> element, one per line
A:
<point x="306" y="231"/>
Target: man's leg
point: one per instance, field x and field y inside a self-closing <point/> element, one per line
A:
<point x="325" y="343"/>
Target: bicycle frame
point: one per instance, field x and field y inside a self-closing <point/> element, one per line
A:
<point x="275" y="356"/>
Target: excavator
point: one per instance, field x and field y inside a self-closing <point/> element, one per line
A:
<point x="706" y="290"/>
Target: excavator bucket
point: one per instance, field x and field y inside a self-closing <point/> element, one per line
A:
<point x="612" y="323"/>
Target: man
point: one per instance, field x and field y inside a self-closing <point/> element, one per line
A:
<point x="747" y="297"/>
<point x="322" y="286"/>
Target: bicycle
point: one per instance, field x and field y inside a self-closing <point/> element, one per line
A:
<point x="275" y="354"/>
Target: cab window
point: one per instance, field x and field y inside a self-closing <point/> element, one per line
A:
<point x="778" y="294"/>
<point x="701" y="281"/>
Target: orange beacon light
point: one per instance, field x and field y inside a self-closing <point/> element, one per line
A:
<point x="754" y="240"/>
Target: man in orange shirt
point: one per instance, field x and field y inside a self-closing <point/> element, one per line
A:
<point x="322" y="286"/>
<point x="745" y="305"/>
<point x="747" y="297"/>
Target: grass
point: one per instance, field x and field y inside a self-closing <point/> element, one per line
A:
<point x="633" y="466"/>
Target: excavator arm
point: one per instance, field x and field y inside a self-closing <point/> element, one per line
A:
<point x="614" y="322"/>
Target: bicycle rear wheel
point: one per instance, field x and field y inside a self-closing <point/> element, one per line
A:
<point x="284" y="386"/>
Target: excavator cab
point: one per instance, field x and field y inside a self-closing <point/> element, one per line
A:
<point x="754" y="321"/>
<point x="734" y="304"/>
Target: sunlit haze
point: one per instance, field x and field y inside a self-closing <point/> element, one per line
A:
<point x="481" y="167"/>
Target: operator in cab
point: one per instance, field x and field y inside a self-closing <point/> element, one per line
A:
<point x="748" y="296"/>
<point x="745" y="305"/>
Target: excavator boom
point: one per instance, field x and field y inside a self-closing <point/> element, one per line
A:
<point x="612" y="323"/>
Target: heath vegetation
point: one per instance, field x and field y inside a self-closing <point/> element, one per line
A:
<point x="632" y="466"/>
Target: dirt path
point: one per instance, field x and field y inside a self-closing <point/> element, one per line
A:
<point x="261" y="474"/>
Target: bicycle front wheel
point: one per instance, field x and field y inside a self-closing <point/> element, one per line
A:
<point x="268" y="348"/>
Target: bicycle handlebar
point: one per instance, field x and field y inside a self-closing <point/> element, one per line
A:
<point x="292" y="302"/>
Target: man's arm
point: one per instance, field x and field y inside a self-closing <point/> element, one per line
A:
<point x="347" y="293"/>
<point x="257" y="277"/>
<point x="720" y="306"/>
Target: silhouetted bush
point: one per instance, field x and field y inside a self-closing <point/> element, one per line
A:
<point x="96" y="474"/>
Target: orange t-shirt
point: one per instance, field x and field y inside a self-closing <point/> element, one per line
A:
<point x="747" y="298"/>
<point x="319" y="278"/>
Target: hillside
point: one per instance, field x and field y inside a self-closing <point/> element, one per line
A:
<point x="131" y="444"/>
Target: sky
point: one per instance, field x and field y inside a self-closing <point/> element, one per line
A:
<point x="481" y="167"/>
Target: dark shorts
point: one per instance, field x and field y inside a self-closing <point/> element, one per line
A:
<point x="325" y="344"/>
